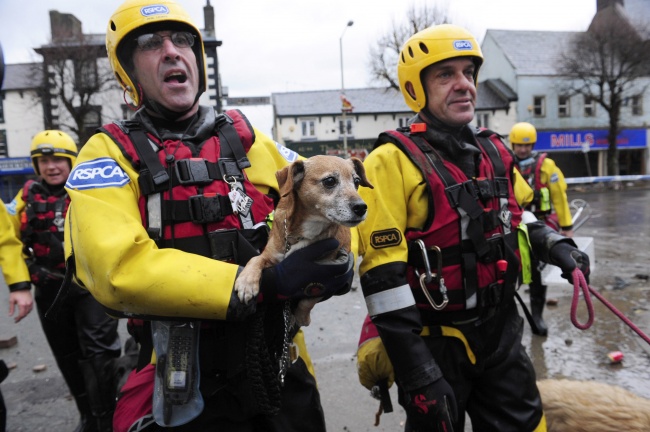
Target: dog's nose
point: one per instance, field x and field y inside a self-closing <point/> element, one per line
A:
<point x="360" y="209"/>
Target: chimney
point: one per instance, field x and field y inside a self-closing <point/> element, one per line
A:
<point x="208" y="18"/>
<point x="602" y="4"/>
<point x="64" y="27"/>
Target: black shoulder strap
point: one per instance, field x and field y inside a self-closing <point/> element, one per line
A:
<point x="483" y="138"/>
<point x="230" y="140"/>
<point x="147" y="154"/>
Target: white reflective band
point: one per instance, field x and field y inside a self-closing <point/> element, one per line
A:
<point x="390" y="300"/>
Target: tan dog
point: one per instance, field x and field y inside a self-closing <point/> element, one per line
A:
<point x="588" y="406"/>
<point x="318" y="200"/>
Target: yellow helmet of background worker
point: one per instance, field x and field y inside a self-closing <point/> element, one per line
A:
<point x="523" y="133"/>
<point x="135" y="17"/>
<point x="53" y="143"/>
<point x="429" y="46"/>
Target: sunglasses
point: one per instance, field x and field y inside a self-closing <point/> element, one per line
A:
<point x="154" y="41"/>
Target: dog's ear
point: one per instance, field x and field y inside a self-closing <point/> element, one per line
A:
<point x="361" y="172"/>
<point x="282" y="176"/>
<point x="290" y="177"/>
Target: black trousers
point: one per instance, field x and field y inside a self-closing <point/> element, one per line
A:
<point x="80" y="330"/>
<point x="498" y="392"/>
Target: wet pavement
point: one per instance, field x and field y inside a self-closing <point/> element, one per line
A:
<point x="39" y="401"/>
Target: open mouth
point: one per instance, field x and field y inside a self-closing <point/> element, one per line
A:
<point x="178" y="77"/>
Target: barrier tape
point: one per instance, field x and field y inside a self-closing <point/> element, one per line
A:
<point x="605" y="179"/>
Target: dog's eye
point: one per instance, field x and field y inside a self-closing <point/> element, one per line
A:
<point x="330" y="182"/>
<point x="357" y="182"/>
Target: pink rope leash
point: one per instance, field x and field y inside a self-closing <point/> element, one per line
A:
<point x="580" y="283"/>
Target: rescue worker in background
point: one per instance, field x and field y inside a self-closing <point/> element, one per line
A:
<point x="17" y="279"/>
<point x="166" y="208"/>
<point x="549" y="204"/>
<point x="83" y="338"/>
<point x="441" y="255"/>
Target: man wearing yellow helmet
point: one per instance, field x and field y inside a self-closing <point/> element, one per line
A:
<point x="441" y="253"/>
<point x="166" y="209"/>
<point x="81" y="336"/>
<point x="549" y="204"/>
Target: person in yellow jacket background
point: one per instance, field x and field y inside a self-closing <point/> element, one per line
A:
<point x="83" y="338"/>
<point x="16" y="277"/>
<point x="550" y="204"/>
<point x="166" y="209"/>
<point x="14" y="268"/>
<point x="441" y="254"/>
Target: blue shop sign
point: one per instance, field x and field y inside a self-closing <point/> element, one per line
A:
<point x="596" y="139"/>
<point x="17" y="165"/>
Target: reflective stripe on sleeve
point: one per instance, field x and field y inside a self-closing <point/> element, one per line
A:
<point x="390" y="300"/>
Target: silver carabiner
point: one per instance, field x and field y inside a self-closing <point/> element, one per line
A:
<point x="427" y="276"/>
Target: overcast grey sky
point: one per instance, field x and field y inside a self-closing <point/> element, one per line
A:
<point x="293" y="45"/>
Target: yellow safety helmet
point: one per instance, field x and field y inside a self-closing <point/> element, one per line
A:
<point x="52" y="143"/>
<point x="139" y="16"/>
<point x="429" y="46"/>
<point x="523" y="133"/>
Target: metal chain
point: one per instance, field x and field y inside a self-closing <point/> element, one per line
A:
<point x="284" y="357"/>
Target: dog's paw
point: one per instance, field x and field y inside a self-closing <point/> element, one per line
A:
<point x="246" y="286"/>
<point x="302" y="314"/>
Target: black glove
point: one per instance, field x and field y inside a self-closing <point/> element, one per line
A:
<point x="568" y="257"/>
<point x="303" y="275"/>
<point x="432" y="407"/>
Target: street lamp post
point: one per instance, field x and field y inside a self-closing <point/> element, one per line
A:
<point x="343" y="109"/>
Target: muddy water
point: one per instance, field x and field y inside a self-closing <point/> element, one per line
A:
<point x="620" y="226"/>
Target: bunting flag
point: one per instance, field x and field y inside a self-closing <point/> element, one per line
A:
<point x="346" y="105"/>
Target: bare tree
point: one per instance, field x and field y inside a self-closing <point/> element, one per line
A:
<point x="76" y="79"/>
<point x="384" y="55"/>
<point x="606" y="64"/>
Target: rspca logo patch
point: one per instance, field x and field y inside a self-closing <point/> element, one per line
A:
<point x="463" y="45"/>
<point x="286" y="153"/>
<point x="154" y="10"/>
<point x="97" y="174"/>
<point x="385" y="238"/>
<point x="554" y="178"/>
<point x="11" y="207"/>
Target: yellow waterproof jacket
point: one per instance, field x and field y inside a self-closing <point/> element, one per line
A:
<point x="124" y="269"/>
<point x="552" y="177"/>
<point x="403" y="203"/>
<point x="13" y="265"/>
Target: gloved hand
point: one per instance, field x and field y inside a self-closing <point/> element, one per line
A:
<point x="373" y="364"/>
<point x="568" y="257"/>
<point x="303" y="274"/>
<point x="432" y="407"/>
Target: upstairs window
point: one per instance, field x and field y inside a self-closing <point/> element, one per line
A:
<point x="308" y="128"/>
<point x="637" y="105"/>
<point x="539" y="106"/>
<point x="348" y="127"/>
<point x="483" y="120"/>
<point x="563" y="106"/>
<point x="590" y="107"/>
